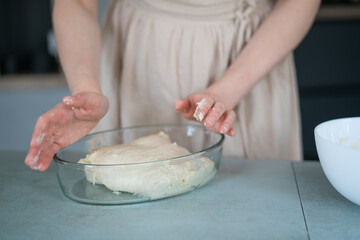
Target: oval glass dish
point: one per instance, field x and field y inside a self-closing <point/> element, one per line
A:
<point x="79" y="181"/>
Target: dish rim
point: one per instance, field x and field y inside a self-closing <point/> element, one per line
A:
<point x="219" y="143"/>
<point x="320" y="125"/>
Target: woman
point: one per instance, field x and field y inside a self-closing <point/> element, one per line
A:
<point x="232" y="57"/>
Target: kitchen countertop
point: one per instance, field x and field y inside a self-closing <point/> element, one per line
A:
<point x="248" y="199"/>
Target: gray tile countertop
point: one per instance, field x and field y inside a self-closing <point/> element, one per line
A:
<point x="248" y="199"/>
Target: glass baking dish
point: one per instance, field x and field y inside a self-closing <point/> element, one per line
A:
<point x="79" y="181"/>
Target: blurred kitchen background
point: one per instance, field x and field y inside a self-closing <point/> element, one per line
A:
<point x="31" y="80"/>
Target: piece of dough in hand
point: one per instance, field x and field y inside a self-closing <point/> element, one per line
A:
<point x="148" y="178"/>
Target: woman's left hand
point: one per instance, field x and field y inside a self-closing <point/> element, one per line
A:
<point x="209" y="110"/>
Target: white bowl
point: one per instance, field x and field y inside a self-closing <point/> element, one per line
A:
<point x="338" y="146"/>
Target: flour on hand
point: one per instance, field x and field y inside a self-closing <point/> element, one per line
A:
<point x="199" y="106"/>
<point x="142" y="172"/>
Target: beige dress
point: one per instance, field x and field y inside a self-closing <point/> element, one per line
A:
<point x="158" y="51"/>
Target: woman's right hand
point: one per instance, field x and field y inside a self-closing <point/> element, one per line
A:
<point x="63" y="125"/>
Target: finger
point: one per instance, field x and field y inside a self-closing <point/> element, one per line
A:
<point x="85" y="100"/>
<point x="231" y="132"/>
<point x="74" y="101"/>
<point x="88" y="106"/>
<point x="228" y="121"/>
<point x="39" y="131"/>
<point x="203" y="108"/>
<point x="48" y="157"/>
<point x="55" y="149"/>
<point x="37" y="138"/>
<point x="36" y="154"/>
<point x="37" y="162"/>
<point x="32" y="156"/>
<point x="68" y="101"/>
<point x="40" y="142"/>
<point x="182" y="106"/>
<point x="44" y="155"/>
<point x="214" y="114"/>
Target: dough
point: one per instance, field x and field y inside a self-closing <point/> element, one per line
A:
<point x="149" y="179"/>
